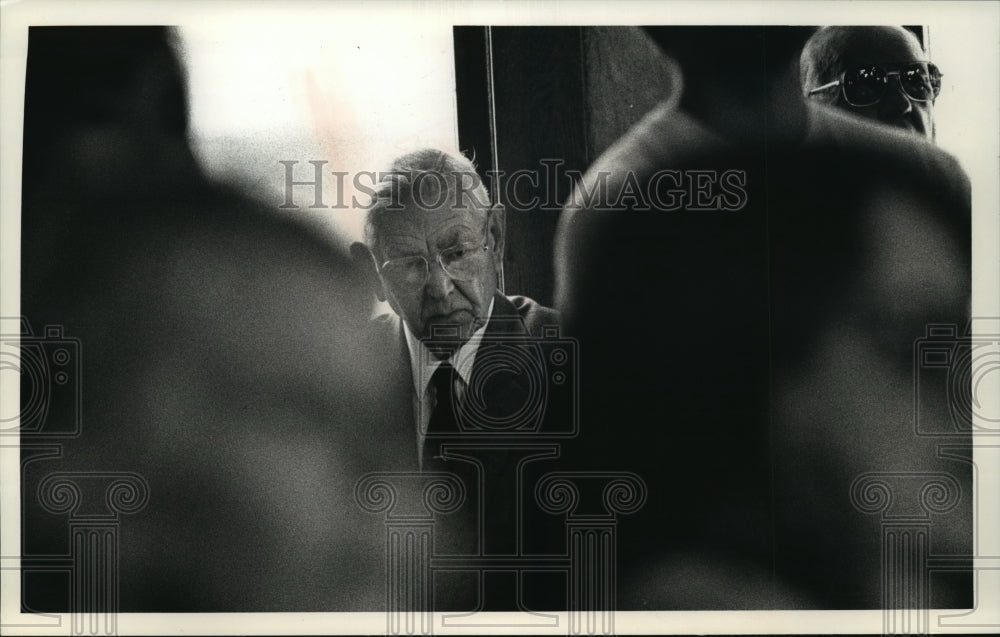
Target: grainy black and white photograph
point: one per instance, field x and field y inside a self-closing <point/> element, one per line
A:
<point x="527" y="317"/>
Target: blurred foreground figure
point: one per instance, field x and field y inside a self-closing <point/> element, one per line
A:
<point x="748" y="296"/>
<point x="218" y="361"/>
<point x="881" y="73"/>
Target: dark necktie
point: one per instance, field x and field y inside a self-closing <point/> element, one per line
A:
<point x="443" y="416"/>
<point x="456" y="533"/>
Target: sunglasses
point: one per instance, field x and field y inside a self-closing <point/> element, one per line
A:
<point x="866" y="85"/>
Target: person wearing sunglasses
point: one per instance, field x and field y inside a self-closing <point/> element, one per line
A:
<point x="751" y="365"/>
<point x="877" y="72"/>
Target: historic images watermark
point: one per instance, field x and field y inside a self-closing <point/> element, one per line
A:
<point x="666" y="190"/>
<point x="955" y="379"/>
<point x="544" y="401"/>
<point x="955" y="400"/>
<point x="48" y="369"/>
<point x="48" y="365"/>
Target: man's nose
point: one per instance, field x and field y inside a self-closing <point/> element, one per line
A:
<point x="895" y="102"/>
<point x="439" y="284"/>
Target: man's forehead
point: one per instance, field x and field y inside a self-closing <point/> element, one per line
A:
<point x="413" y="224"/>
<point x="881" y="46"/>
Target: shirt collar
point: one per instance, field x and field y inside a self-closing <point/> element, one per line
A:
<point x="423" y="364"/>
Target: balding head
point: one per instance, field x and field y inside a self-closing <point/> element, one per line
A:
<point x="422" y="179"/>
<point x="832" y="51"/>
<point x="436" y="242"/>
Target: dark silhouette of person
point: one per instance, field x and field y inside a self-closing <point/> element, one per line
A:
<point x="219" y="352"/>
<point x="748" y="345"/>
<point x="878" y="72"/>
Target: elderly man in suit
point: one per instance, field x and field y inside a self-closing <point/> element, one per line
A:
<point x="437" y="247"/>
<point x="466" y="370"/>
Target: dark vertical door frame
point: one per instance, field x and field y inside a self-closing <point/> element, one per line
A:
<point x="474" y="95"/>
<point x="474" y="102"/>
<point x="520" y="96"/>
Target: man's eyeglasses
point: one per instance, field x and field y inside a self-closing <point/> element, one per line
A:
<point x="460" y="262"/>
<point x="866" y="85"/>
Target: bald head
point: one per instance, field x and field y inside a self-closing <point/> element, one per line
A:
<point x="832" y="51"/>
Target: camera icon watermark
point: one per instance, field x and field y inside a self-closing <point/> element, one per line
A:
<point x="956" y="379"/>
<point x="519" y="386"/>
<point x="48" y="367"/>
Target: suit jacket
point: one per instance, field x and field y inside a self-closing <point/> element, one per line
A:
<point x="516" y="320"/>
<point x="520" y="333"/>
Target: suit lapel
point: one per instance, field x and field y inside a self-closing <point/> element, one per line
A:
<point x="505" y="320"/>
<point x="507" y="392"/>
<point x="504" y="342"/>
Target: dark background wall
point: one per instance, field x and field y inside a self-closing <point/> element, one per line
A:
<point x="532" y="97"/>
<point x="528" y="95"/>
<point x="533" y="94"/>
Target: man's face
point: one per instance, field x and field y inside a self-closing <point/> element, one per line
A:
<point x="889" y="49"/>
<point x="443" y="299"/>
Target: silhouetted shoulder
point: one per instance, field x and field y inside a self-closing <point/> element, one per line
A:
<point x="534" y="315"/>
<point x="385" y="344"/>
<point x="858" y="143"/>
<point x="665" y="136"/>
<point x="386" y="324"/>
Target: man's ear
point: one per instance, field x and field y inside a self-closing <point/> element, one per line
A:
<point x="498" y="232"/>
<point x="365" y="261"/>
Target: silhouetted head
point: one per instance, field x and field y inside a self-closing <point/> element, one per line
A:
<point x="740" y="81"/>
<point x="105" y="108"/>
